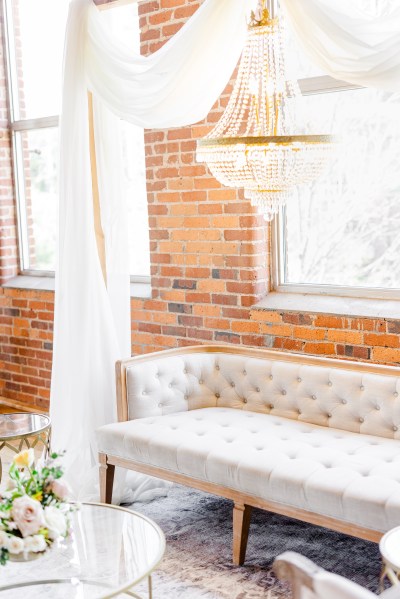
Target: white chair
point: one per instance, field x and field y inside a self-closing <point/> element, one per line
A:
<point x="309" y="581"/>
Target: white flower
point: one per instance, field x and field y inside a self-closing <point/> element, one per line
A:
<point x="15" y="544"/>
<point x="60" y="489"/>
<point x="3" y="539"/>
<point x="35" y="543"/>
<point x="27" y="514"/>
<point x="55" y="522"/>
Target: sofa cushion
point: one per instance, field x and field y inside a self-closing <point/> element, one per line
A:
<point x="336" y="473"/>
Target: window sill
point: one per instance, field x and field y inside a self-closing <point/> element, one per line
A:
<point x="31" y="282"/>
<point x="330" y="304"/>
<point x="139" y="290"/>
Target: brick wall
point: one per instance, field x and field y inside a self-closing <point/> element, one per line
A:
<point x="210" y="264"/>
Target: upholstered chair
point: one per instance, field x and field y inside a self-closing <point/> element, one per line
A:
<point x="309" y="581"/>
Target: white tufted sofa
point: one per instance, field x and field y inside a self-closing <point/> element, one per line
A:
<point x="313" y="438"/>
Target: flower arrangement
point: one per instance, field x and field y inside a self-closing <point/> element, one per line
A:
<point x="33" y="511"/>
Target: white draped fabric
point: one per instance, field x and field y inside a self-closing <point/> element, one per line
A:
<point x="175" y="86"/>
<point x="348" y="43"/>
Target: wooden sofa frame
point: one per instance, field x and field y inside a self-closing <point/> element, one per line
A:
<point x="243" y="503"/>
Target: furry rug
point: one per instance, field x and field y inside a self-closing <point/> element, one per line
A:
<point x="197" y="562"/>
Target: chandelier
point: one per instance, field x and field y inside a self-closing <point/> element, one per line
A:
<point x="252" y="145"/>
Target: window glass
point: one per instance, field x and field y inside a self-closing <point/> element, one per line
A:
<point x="39" y="28"/>
<point x="36" y="40"/>
<point x="343" y="229"/>
<point x="39" y="148"/>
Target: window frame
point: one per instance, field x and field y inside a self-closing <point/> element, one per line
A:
<point x="311" y="86"/>
<point x="17" y="125"/>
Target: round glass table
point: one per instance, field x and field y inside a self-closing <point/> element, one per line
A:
<point x="110" y="550"/>
<point x="20" y="431"/>
<point x="389" y="547"/>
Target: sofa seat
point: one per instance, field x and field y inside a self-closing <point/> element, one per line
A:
<point x="349" y="476"/>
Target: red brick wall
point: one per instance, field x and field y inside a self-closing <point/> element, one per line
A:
<point x="210" y="264"/>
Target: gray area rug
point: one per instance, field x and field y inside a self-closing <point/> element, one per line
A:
<point x="197" y="563"/>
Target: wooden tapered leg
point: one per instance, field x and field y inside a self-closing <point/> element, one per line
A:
<point x="241" y="524"/>
<point x="106" y="474"/>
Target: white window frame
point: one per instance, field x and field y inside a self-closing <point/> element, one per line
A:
<point x="17" y="125"/>
<point x="311" y="86"/>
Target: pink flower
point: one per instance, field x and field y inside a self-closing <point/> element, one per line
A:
<point x="27" y="514"/>
<point x="60" y="489"/>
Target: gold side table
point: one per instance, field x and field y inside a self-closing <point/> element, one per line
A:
<point x="19" y="431"/>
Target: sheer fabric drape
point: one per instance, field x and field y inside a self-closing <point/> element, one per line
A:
<point x="349" y="42"/>
<point x="176" y="86"/>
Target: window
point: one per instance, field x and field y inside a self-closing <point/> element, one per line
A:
<point x="34" y="34"/>
<point x="339" y="235"/>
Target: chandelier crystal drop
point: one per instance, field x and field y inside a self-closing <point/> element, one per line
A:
<point x="252" y="146"/>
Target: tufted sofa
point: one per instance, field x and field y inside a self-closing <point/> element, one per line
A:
<point x="313" y="438"/>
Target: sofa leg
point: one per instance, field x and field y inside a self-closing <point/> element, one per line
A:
<point x="106" y="474"/>
<point x="241" y="524"/>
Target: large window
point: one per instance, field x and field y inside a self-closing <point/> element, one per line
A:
<point x="34" y="37"/>
<point x="340" y="234"/>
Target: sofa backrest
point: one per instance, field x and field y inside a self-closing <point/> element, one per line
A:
<point x="336" y="393"/>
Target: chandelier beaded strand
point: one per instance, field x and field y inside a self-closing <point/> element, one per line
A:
<point x="251" y="146"/>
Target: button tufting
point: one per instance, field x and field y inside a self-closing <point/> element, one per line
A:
<point x="170" y="385"/>
<point x="200" y="381"/>
<point x="362" y="387"/>
<point x="299" y="411"/>
<point x="186" y="397"/>
<point x="299" y="380"/>
<point x="361" y="419"/>
<point x="217" y="395"/>
<point x="395" y="394"/>
<point x="259" y="448"/>
<point x="313" y="397"/>
<point x="270" y="377"/>
<point x="160" y="405"/>
<point x="216" y="367"/>
<point x="244" y="372"/>
<point x="329" y="383"/>
<point x="395" y="428"/>
<point x="185" y="371"/>
<point x="344" y="401"/>
<point x="283" y="392"/>
<point x="144" y="392"/>
<point x="377" y="407"/>
<point x="329" y="415"/>
<point x="258" y="389"/>
<point x="157" y="375"/>
<point x="244" y="400"/>
<point x="232" y="384"/>
<point x="271" y="406"/>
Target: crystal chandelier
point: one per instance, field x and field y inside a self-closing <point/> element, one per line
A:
<point x="252" y="145"/>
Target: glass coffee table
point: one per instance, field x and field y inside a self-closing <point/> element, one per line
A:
<point x="111" y="550"/>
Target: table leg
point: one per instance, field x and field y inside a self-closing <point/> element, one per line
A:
<point x="150" y="583"/>
<point x="390" y="574"/>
